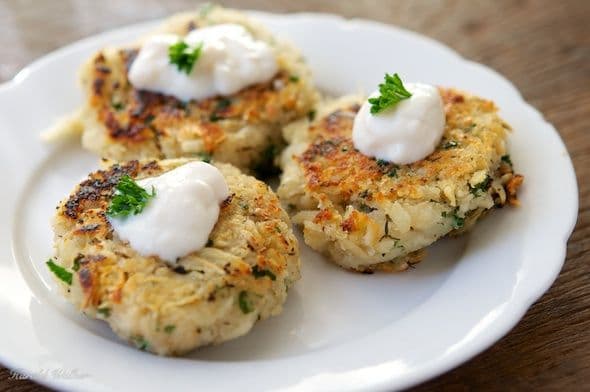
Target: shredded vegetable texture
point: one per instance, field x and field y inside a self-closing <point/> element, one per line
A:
<point x="129" y="198"/>
<point x="183" y="56"/>
<point x="391" y="91"/>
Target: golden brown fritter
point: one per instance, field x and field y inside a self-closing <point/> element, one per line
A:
<point x="121" y="122"/>
<point x="209" y="296"/>
<point x="368" y="214"/>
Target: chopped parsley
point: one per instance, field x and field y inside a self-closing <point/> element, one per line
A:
<point x="205" y="157"/>
<point x="222" y="104"/>
<point x="261" y="273"/>
<point x="294" y="78"/>
<point x="450" y="144"/>
<point x="63" y="274"/>
<point x="457" y="221"/>
<point x="391" y="91"/>
<point x="117" y="105"/>
<point x="392" y="173"/>
<point x="169" y="328"/>
<point x="245" y="305"/>
<point x="481" y="187"/>
<point x="76" y="265"/>
<point x="506" y="159"/>
<point x="311" y="115"/>
<point x="366" y="208"/>
<point x="139" y="342"/>
<point x="382" y="162"/>
<point x="469" y="128"/>
<point x="129" y="198"/>
<point x="149" y="118"/>
<point x="365" y="194"/>
<point x="105" y="311"/>
<point x="183" y="56"/>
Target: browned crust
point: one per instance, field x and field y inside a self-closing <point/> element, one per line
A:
<point x="102" y="268"/>
<point x="134" y="117"/>
<point x="333" y="168"/>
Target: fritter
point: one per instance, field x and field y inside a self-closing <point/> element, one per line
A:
<point x="367" y="214"/>
<point x="121" y="122"/>
<point x="210" y="296"/>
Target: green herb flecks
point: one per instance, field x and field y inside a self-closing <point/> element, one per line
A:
<point x="311" y="115"/>
<point x="63" y="274"/>
<point x="129" y="198"/>
<point x="506" y="159"/>
<point x="294" y="78"/>
<point x="388" y="168"/>
<point x="183" y="56"/>
<point x="76" y="265"/>
<point x="392" y="91"/>
<point x="169" y="328"/>
<point x="140" y="342"/>
<point x="245" y="305"/>
<point x="218" y="112"/>
<point x="118" y="106"/>
<point x="365" y="208"/>
<point x="450" y="144"/>
<point x="204" y="156"/>
<point x="105" y="311"/>
<point x="258" y="272"/>
<point x="481" y="187"/>
<point x="456" y="221"/>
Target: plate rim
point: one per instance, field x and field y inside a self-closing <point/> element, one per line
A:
<point x="508" y="319"/>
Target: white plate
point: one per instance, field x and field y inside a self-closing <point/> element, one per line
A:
<point x="339" y="331"/>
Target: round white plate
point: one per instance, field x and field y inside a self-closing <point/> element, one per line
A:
<point x="339" y="330"/>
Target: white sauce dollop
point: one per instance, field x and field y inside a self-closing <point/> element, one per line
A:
<point x="405" y="133"/>
<point x="230" y="60"/>
<point x="180" y="218"/>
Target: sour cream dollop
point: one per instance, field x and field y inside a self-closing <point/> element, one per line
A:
<point x="230" y="60"/>
<point x="181" y="216"/>
<point x="405" y="133"/>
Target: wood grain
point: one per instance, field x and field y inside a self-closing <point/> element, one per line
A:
<point x="542" y="46"/>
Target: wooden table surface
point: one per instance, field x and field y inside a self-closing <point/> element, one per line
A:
<point x="541" y="46"/>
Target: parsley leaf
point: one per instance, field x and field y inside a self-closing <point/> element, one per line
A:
<point x="392" y="91"/>
<point x="506" y="159"/>
<point x="245" y="305"/>
<point x="59" y="271"/>
<point x="129" y="199"/>
<point x="183" y="56"/>
<point x="169" y="328"/>
<point x="457" y="221"/>
<point x="481" y="187"/>
<point x="140" y="342"/>
<point x="261" y="273"/>
<point x="105" y="311"/>
<point x="450" y="144"/>
<point x="204" y="156"/>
